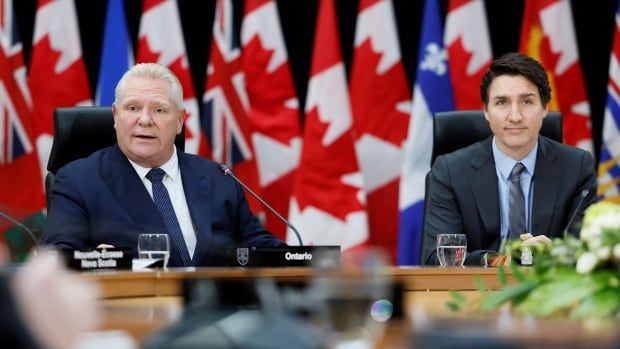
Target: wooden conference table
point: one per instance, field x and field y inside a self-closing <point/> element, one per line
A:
<point x="142" y="302"/>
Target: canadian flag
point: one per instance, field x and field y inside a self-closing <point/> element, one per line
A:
<point x="273" y="107"/>
<point x="328" y="204"/>
<point x="57" y="74"/>
<point x="548" y="35"/>
<point x="466" y="37"/>
<point x="381" y="103"/>
<point x="160" y="40"/>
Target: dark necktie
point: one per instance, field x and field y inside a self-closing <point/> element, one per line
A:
<point x="164" y="205"/>
<point x="516" y="202"/>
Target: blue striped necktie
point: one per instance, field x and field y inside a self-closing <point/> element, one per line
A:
<point x="164" y="205"/>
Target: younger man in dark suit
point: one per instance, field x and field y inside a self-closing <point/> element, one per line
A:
<point x="514" y="182"/>
<point x="143" y="184"/>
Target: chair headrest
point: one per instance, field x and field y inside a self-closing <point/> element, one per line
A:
<point x="457" y="129"/>
<point x="80" y="131"/>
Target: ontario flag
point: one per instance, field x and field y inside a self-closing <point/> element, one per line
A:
<point x="608" y="169"/>
<point x="432" y="93"/>
<point x="469" y="50"/>
<point x="21" y="196"/>
<point x="381" y="103"/>
<point x="273" y="107"/>
<point x="57" y="74"/>
<point x="548" y="35"/>
<point x="225" y="119"/>
<point x="328" y="204"/>
<point x="160" y="40"/>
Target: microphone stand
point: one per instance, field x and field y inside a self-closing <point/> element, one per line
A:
<point x="227" y="171"/>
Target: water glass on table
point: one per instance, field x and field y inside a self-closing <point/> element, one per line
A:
<point x="154" y="247"/>
<point x="451" y="249"/>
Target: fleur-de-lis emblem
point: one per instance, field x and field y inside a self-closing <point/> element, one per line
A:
<point x="434" y="59"/>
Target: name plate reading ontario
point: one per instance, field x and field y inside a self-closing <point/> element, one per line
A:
<point x="285" y="256"/>
<point x="110" y="258"/>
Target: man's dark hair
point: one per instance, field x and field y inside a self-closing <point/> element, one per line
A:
<point x="517" y="64"/>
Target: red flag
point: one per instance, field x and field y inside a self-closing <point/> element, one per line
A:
<point x="381" y="103"/>
<point x="274" y="108"/>
<point x="328" y="204"/>
<point x="548" y="35"/>
<point x="225" y="102"/>
<point x="22" y="192"/>
<point x="466" y="38"/>
<point x="160" y="40"/>
<point x="57" y="74"/>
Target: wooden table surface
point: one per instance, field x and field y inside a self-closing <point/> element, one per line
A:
<point x="144" y="302"/>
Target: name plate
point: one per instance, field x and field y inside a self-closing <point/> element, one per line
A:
<point x="285" y="256"/>
<point x="109" y="258"/>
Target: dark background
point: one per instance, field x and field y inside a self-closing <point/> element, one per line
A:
<point x="594" y="22"/>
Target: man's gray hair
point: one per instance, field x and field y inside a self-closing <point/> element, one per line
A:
<point x="151" y="71"/>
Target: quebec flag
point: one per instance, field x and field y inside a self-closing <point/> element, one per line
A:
<point x="432" y="93"/>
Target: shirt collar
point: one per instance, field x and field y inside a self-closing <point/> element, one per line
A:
<point x="171" y="167"/>
<point x="505" y="163"/>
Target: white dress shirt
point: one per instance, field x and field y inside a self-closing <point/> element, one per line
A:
<point x="174" y="185"/>
<point x="503" y="166"/>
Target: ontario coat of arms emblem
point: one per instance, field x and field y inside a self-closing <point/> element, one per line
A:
<point x="243" y="255"/>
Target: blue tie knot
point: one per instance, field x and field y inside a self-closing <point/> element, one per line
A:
<point x="155" y="175"/>
<point x="515" y="174"/>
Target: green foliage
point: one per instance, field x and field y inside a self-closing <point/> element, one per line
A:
<point x="579" y="278"/>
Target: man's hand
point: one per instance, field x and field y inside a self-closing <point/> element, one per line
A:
<point x="530" y="240"/>
<point x="56" y="305"/>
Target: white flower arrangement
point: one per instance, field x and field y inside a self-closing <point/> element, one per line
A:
<point x="579" y="278"/>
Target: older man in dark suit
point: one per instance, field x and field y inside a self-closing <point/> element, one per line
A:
<point x="515" y="184"/>
<point x="145" y="185"/>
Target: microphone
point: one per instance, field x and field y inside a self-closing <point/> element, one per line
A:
<point x="227" y="171"/>
<point x="29" y="232"/>
<point x="582" y="196"/>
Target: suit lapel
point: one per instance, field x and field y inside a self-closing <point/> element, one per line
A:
<point x="197" y="187"/>
<point x="547" y="179"/>
<point x="484" y="188"/>
<point x="124" y="183"/>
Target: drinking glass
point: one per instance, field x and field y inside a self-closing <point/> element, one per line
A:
<point x="154" y="247"/>
<point x="451" y="249"/>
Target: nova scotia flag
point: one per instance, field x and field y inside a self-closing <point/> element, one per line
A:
<point x="116" y="53"/>
<point x="432" y="93"/>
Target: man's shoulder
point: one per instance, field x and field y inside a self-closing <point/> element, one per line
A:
<point x="92" y="161"/>
<point x="194" y="160"/>
<point x="466" y="155"/>
<point x="562" y="151"/>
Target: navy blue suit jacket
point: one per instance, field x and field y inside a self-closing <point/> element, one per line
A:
<point x="464" y="198"/>
<point x="101" y="200"/>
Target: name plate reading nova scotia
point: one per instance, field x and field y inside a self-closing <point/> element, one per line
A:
<point x="285" y="256"/>
<point x="111" y="258"/>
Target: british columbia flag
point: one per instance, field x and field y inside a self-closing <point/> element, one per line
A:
<point x="608" y="169"/>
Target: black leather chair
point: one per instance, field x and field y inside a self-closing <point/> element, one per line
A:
<point x="79" y="132"/>
<point x="454" y="130"/>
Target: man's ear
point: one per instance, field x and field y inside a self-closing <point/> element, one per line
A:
<point x="114" y="113"/>
<point x="183" y="115"/>
<point x="484" y="111"/>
